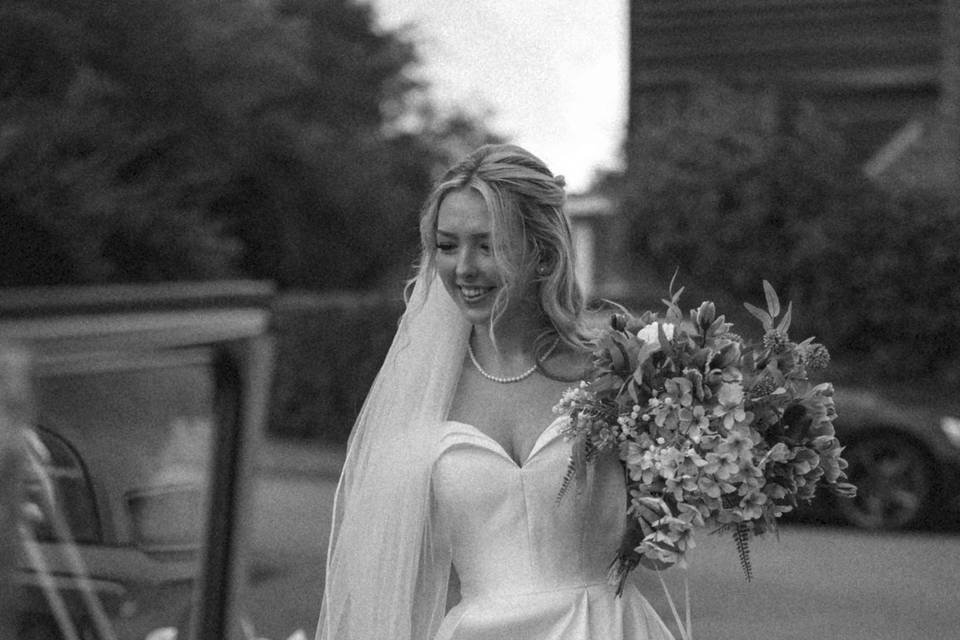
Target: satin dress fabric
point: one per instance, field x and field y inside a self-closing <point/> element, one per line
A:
<point x="531" y="568"/>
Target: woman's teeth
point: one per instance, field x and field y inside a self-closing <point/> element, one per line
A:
<point x="472" y="293"/>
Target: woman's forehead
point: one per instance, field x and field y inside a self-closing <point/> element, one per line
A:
<point x="463" y="212"/>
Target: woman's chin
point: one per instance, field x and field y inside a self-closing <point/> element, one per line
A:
<point x="476" y="309"/>
<point x="475" y="314"/>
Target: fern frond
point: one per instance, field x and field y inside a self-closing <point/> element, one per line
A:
<point x="741" y="536"/>
<point x="590" y="452"/>
<point x="583" y="453"/>
<point x="620" y="569"/>
<point x="568" y="476"/>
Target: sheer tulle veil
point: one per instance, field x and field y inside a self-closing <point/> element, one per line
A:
<point x="387" y="571"/>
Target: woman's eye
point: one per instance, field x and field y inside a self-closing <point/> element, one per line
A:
<point x="445" y="247"/>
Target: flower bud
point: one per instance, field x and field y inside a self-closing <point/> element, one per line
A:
<point x="817" y="356"/>
<point x="706" y="314"/>
<point x="845" y="490"/>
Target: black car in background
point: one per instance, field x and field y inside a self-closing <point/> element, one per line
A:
<point x="904" y="460"/>
<point x="146" y="404"/>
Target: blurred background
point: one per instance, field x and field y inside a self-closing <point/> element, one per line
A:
<point x="188" y="144"/>
<point x="813" y="144"/>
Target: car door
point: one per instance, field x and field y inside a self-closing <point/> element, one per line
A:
<point x="144" y="407"/>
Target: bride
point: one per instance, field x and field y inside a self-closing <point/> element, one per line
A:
<point x="446" y="522"/>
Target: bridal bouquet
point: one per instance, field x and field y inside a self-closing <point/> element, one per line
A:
<point x="709" y="427"/>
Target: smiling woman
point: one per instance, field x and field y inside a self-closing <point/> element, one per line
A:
<point x="448" y="493"/>
<point x="495" y="226"/>
<point x="465" y="261"/>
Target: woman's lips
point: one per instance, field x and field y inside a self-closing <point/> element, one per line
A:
<point x="473" y="294"/>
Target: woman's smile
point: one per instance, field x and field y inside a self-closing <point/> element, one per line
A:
<point x="473" y="294"/>
<point x="465" y="260"/>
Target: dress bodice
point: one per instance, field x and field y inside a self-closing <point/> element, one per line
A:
<point x="507" y="531"/>
<point x="532" y="567"/>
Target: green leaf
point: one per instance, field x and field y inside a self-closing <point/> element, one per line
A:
<point x="773" y="302"/>
<point x="662" y="335"/>
<point x="673" y="314"/>
<point x="673" y="280"/>
<point x="673" y="310"/>
<point x="760" y="314"/>
<point x="717" y="327"/>
<point x="618" y="358"/>
<point x="784" y="325"/>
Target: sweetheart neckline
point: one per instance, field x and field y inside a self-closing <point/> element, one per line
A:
<point x="538" y="444"/>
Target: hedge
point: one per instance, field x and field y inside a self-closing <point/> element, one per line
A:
<point x="329" y="349"/>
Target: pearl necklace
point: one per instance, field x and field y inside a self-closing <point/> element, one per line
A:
<point x="517" y="378"/>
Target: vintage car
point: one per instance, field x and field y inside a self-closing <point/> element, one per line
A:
<point x="145" y="404"/>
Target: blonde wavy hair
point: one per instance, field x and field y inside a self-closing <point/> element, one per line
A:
<point x="525" y="201"/>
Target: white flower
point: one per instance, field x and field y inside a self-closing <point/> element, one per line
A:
<point x="651" y="335"/>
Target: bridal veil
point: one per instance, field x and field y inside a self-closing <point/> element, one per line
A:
<point x="387" y="571"/>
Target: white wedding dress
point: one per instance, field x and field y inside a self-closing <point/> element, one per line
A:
<point x="529" y="568"/>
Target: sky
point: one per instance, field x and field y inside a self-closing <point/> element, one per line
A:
<point x="553" y="72"/>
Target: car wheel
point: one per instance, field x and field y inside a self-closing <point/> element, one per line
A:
<point x="894" y="480"/>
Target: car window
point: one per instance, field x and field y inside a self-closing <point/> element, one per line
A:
<point x="128" y="417"/>
<point x="120" y="481"/>
<point x="70" y="482"/>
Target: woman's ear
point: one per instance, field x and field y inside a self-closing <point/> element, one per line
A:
<point x="546" y="263"/>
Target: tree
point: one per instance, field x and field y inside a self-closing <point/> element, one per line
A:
<point x="172" y="139"/>
<point x="333" y="174"/>
<point x="107" y="159"/>
<point x="723" y="195"/>
<point x="730" y="196"/>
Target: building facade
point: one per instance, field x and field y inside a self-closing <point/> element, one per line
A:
<point x="869" y="66"/>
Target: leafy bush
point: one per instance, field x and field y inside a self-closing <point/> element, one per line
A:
<point x="729" y="191"/>
<point x="193" y="139"/>
<point x="330" y="347"/>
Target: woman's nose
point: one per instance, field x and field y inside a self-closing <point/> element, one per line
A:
<point x="466" y="263"/>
